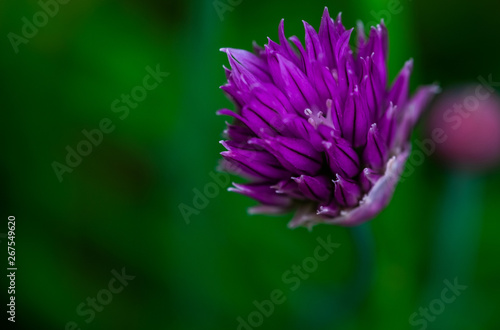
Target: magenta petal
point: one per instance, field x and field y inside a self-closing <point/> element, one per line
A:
<point x="373" y="88"/>
<point x="296" y="85"/>
<point x="259" y="120"/>
<point x="286" y="48"/>
<point x="347" y="192"/>
<point x="251" y="62"/>
<point x="302" y="128"/>
<point x="378" y="197"/>
<point x="255" y="162"/>
<point x="388" y="125"/>
<point x="238" y="133"/>
<point x="288" y="188"/>
<point x="371" y="204"/>
<point x="296" y="155"/>
<point x="368" y="178"/>
<point x="323" y="81"/>
<point x="328" y="209"/>
<point x="342" y="158"/>
<point x="328" y="37"/>
<point x="412" y="111"/>
<point x="355" y="123"/>
<point x="262" y="193"/>
<point x="399" y="90"/>
<point x="334" y="114"/>
<point x="314" y="48"/>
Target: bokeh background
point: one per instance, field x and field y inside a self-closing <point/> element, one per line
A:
<point x="119" y="208"/>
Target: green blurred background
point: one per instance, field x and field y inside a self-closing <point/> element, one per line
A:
<point x="119" y="207"/>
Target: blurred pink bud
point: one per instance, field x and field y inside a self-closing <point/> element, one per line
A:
<point x="469" y="116"/>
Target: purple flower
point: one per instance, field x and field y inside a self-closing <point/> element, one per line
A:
<point x="316" y="128"/>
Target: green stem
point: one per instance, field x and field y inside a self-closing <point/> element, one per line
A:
<point x="457" y="239"/>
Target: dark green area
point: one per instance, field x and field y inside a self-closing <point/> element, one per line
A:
<point x="119" y="208"/>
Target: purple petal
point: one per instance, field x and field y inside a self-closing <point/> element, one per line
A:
<point x="323" y="81"/>
<point x="271" y="96"/>
<point x="376" y="152"/>
<point x="314" y="48"/>
<point x="355" y="120"/>
<point x="361" y="36"/>
<point x="238" y="133"/>
<point x="250" y="61"/>
<point x="368" y="178"/>
<point x="328" y="37"/>
<point x="339" y="27"/>
<point x="412" y="111"/>
<point x="343" y="58"/>
<point x="315" y="188"/>
<point x="243" y="78"/>
<point x="380" y="49"/>
<point x="399" y="90"/>
<point x="328" y="134"/>
<point x="227" y="72"/>
<point x="378" y="197"/>
<point x="328" y="209"/>
<point x="286" y="48"/>
<point x="304" y="64"/>
<point x="258" y="50"/>
<point x="301" y="128"/>
<point x="262" y="193"/>
<point x="371" y="204"/>
<point x="296" y="85"/>
<point x="289" y="188"/>
<point x="235" y="95"/>
<point x="255" y="163"/>
<point x="347" y="192"/>
<point x="296" y="155"/>
<point x="334" y="114"/>
<point x="273" y="65"/>
<point x="376" y="47"/>
<point x="342" y="158"/>
<point x="388" y="125"/>
<point x="373" y="88"/>
<point x="258" y="120"/>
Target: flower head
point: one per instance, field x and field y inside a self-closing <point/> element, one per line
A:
<point x="316" y="129"/>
